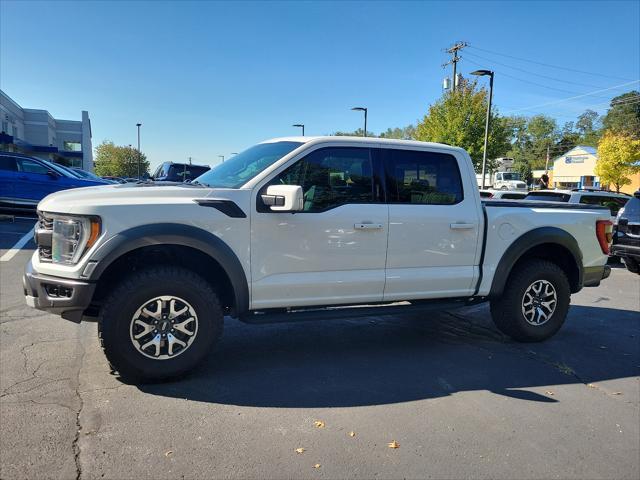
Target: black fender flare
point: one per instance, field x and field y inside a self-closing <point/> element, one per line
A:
<point x="175" y="234"/>
<point x="527" y="241"/>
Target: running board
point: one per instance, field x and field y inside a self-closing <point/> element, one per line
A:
<point x="357" y="311"/>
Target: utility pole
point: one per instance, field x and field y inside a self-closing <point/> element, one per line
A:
<point x="546" y="165"/>
<point x="454" y="59"/>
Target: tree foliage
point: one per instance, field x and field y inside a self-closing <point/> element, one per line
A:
<point x="618" y="159"/>
<point x="458" y="118"/>
<point x="406" y="133"/>
<point x="114" y="160"/>
<point x="624" y="115"/>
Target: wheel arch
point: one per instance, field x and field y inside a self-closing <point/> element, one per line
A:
<point x="549" y="243"/>
<point x="194" y="247"/>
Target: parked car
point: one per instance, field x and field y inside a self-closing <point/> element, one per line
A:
<point x="25" y="180"/>
<point x="178" y="172"/>
<point x="291" y="228"/>
<point x="89" y="176"/>
<point x="612" y="201"/>
<point x="503" y="194"/>
<point x="626" y="237"/>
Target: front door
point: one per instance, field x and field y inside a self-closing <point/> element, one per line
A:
<point x="433" y="226"/>
<point x="333" y="252"/>
<point x="34" y="181"/>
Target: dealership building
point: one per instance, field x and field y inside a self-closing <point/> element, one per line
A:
<point x="35" y="132"/>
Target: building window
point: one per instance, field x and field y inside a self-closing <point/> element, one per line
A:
<point x="73" y="146"/>
<point x="5" y="126"/>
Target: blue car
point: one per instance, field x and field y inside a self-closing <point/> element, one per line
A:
<point x="25" y="180"/>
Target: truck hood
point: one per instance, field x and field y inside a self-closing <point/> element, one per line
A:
<point x="80" y="200"/>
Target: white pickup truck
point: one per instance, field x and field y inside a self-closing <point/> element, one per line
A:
<point x="305" y="228"/>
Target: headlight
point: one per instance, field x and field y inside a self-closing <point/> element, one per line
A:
<point x="72" y="236"/>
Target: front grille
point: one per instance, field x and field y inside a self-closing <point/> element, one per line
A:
<point x="45" y="225"/>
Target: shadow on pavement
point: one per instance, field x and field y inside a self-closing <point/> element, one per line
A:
<point x="379" y="361"/>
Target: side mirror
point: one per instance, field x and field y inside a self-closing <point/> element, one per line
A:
<point x="53" y="174"/>
<point x="284" y="198"/>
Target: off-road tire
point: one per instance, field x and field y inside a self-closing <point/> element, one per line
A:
<point x="115" y="318"/>
<point x="506" y="310"/>
<point x="632" y="265"/>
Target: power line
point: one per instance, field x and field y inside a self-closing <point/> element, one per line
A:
<point x="534" y="73"/>
<point x="547" y="64"/>
<point x="524" y="80"/>
<point x="574" y="97"/>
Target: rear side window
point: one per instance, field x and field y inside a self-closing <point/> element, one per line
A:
<point x="422" y="178"/>
<point x="8" y="163"/>
<point x="331" y="177"/>
<point x="29" y="166"/>
<point x="612" y="203"/>
<point x="632" y="209"/>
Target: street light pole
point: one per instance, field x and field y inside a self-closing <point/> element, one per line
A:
<point x="488" y="73"/>
<point x="300" y="125"/>
<point x="363" y="109"/>
<point x="139" y="156"/>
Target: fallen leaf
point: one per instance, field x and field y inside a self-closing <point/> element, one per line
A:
<point x="591" y="385"/>
<point x="168" y="453"/>
<point x="317" y="465"/>
<point x="319" y="423"/>
<point x="549" y="392"/>
<point x="299" y="450"/>
<point x="616" y="393"/>
<point x="393" y="444"/>
<point x="352" y="434"/>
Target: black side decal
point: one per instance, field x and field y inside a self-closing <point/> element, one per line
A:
<point x="228" y="207"/>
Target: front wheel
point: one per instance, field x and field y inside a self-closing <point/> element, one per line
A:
<point x="534" y="303"/>
<point x="632" y="265"/>
<point x="159" y="323"/>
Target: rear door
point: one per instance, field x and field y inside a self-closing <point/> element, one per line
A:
<point x="434" y="225"/>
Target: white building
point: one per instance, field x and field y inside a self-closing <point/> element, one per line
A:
<point x="37" y="133"/>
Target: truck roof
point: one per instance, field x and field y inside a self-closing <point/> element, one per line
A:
<point x="367" y="140"/>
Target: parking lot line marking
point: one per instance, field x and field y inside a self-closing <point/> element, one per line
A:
<point x="9" y="254"/>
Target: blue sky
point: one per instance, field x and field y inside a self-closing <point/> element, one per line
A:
<point x="211" y="78"/>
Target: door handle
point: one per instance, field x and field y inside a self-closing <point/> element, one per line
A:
<point x="367" y="226"/>
<point x="462" y="226"/>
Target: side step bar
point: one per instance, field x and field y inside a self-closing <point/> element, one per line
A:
<point x="357" y="311"/>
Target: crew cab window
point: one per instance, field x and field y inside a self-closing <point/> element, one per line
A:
<point x="331" y="177"/>
<point x="418" y="177"/>
<point x="8" y="163"/>
<point x="612" y="203"/>
<point x="29" y="166"/>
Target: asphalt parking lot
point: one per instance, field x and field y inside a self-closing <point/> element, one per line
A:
<point x="459" y="399"/>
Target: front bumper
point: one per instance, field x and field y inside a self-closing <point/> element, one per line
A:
<point x="594" y="275"/>
<point x="62" y="296"/>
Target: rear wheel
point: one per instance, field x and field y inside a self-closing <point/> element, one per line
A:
<point x="159" y="324"/>
<point x="534" y="303"/>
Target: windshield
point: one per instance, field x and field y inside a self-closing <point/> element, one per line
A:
<point x="85" y="174"/>
<point x="241" y="168"/>
<point x="61" y="169"/>
<point x="510" y="176"/>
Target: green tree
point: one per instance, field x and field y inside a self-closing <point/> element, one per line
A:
<point x="406" y="133"/>
<point x="458" y="118"/>
<point x="624" y="115"/>
<point x="588" y="128"/>
<point x="117" y="161"/>
<point x="357" y="133"/>
<point x="618" y="158"/>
